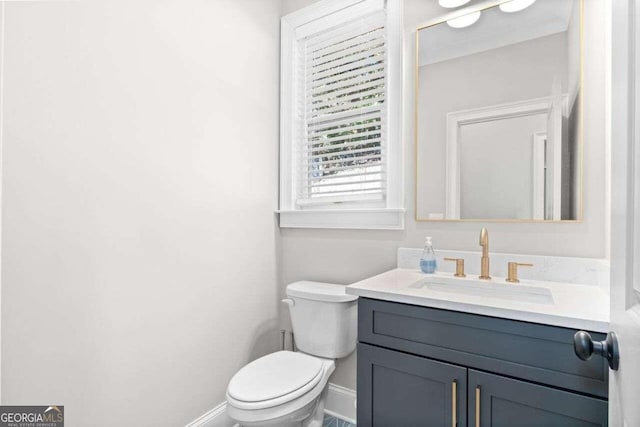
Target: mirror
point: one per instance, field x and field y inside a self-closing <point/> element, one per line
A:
<point x="499" y="114"/>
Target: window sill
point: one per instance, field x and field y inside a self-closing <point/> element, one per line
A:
<point x="356" y="219"/>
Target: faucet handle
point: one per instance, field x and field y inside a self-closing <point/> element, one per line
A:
<point x="459" y="266"/>
<point x="512" y="271"/>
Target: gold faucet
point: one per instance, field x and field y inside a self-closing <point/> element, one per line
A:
<point x="484" y="261"/>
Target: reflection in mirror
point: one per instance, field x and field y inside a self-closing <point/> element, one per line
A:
<point x="498" y="132"/>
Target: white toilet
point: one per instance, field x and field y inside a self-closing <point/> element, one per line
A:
<point x="289" y="388"/>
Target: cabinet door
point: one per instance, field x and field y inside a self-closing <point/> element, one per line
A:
<point x="496" y="401"/>
<point x="400" y="390"/>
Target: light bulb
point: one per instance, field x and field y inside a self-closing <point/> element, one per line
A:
<point x="516" y="5"/>
<point x="464" y="20"/>
<point x="452" y="3"/>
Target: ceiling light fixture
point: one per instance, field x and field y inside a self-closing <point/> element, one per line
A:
<point x="452" y="3"/>
<point x="464" y="20"/>
<point x="516" y="5"/>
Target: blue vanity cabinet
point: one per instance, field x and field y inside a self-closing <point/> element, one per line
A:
<point x="397" y="389"/>
<point x="498" y="401"/>
<point x="419" y="366"/>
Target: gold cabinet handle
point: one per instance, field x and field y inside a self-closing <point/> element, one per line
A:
<point x="459" y="266"/>
<point x="478" y="406"/>
<point x="512" y="271"/>
<point x="454" y="403"/>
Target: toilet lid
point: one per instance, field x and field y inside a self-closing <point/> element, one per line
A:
<point x="317" y="291"/>
<point x="275" y="375"/>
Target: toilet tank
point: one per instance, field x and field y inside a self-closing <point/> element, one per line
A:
<point x="324" y="318"/>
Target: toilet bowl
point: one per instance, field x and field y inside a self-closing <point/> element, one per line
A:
<point x="280" y="389"/>
<point x="286" y="388"/>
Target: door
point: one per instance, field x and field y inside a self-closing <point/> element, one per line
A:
<point x="402" y="390"/>
<point x="496" y="401"/>
<point x="624" y="384"/>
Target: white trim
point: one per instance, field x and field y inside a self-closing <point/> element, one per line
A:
<point x="608" y="18"/>
<point x="395" y="151"/>
<point x="341" y="403"/>
<point x="216" y="417"/>
<point x="456" y="119"/>
<point x="366" y="219"/>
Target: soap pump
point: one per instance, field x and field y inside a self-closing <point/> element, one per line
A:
<point x="428" y="259"/>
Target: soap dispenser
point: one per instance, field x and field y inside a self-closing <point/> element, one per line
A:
<point x="428" y="259"/>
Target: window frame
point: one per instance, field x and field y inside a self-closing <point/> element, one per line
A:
<point x="386" y="215"/>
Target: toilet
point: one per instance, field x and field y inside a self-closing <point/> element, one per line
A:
<point x="287" y="388"/>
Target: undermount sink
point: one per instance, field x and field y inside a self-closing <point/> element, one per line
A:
<point x="486" y="288"/>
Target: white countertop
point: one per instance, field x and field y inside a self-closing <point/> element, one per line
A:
<point x="574" y="306"/>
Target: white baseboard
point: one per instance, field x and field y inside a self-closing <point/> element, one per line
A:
<point x="216" y="417"/>
<point x="341" y="403"/>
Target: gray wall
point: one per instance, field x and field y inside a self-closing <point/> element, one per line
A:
<point x="344" y="256"/>
<point x="139" y="246"/>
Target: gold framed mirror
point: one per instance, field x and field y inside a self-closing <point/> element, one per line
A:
<point x="498" y="114"/>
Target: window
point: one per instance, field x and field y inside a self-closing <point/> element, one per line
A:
<point x="341" y="146"/>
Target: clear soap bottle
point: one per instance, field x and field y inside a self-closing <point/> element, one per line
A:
<point x="428" y="259"/>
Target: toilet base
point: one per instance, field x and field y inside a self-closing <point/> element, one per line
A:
<point x="299" y="418"/>
<point x="316" y="418"/>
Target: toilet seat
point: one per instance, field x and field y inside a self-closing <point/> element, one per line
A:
<point x="274" y="379"/>
<point x="285" y="410"/>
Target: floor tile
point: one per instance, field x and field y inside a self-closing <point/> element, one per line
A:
<point x="330" y="421"/>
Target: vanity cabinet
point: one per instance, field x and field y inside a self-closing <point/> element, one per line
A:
<point x="398" y="389"/>
<point x="500" y="401"/>
<point x="420" y="366"/>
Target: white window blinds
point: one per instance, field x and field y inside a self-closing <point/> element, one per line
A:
<point x="341" y="146"/>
